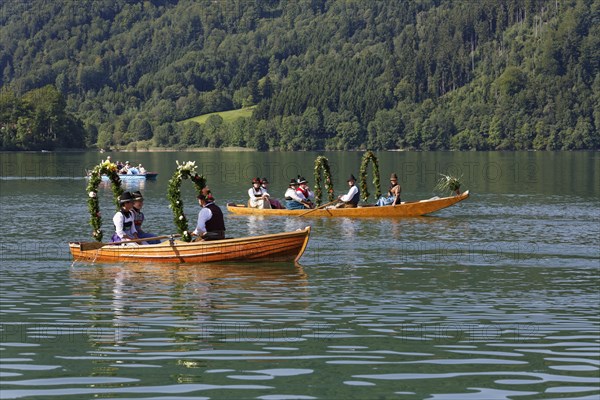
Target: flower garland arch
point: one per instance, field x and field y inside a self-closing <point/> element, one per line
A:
<point x="369" y="156"/>
<point x="183" y="171"/>
<point x="322" y="164"/>
<point x="95" y="177"/>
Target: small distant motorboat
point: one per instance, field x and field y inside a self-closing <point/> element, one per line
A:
<point x="149" y="176"/>
<point x="286" y="246"/>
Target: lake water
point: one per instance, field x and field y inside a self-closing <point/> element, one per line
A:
<point x="494" y="298"/>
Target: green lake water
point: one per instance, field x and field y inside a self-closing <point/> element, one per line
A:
<point x="493" y="298"/>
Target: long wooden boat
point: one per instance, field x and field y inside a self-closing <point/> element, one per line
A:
<point x="286" y="246"/>
<point x="406" y="209"/>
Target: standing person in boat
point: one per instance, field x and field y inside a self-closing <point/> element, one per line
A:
<point x="264" y="184"/>
<point x="138" y="203"/>
<point x="211" y="225"/>
<point x="124" y="220"/>
<point x="304" y="192"/>
<point x="259" y="198"/>
<point x="350" y="199"/>
<point x="393" y="194"/>
<point x="292" y="200"/>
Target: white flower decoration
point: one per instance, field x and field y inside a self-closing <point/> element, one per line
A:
<point x="92" y="194"/>
<point x="181" y="217"/>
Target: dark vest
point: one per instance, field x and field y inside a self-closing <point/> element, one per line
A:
<point x="126" y="225"/>
<point x="139" y="218"/>
<point x="257" y="194"/>
<point x="216" y="223"/>
<point x="355" y="199"/>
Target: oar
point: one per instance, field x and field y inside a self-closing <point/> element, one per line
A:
<point x="97" y="245"/>
<point x="320" y="207"/>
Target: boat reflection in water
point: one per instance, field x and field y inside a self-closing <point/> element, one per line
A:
<point x="129" y="184"/>
<point x="188" y="307"/>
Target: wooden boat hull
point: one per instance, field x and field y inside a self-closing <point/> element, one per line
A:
<point x="406" y="209"/>
<point x="287" y="246"/>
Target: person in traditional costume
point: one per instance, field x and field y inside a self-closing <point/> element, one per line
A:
<point x="124" y="220"/>
<point x="292" y="200"/>
<point x="138" y="203"/>
<point x="264" y="184"/>
<point x="304" y="192"/>
<point x="211" y="224"/>
<point x="259" y="197"/>
<point x="350" y="199"/>
<point x="393" y="194"/>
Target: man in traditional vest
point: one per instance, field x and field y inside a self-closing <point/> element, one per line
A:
<point x="350" y="199"/>
<point x="211" y="225"/>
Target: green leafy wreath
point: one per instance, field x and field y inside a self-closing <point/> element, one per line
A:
<point x="364" y="191"/>
<point x="183" y="171"/>
<point x="104" y="168"/>
<point x="448" y="182"/>
<point x="322" y="163"/>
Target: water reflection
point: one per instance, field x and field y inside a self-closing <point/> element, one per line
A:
<point x="187" y="303"/>
<point x="131" y="184"/>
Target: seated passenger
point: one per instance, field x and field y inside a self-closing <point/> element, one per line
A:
<point x="264" y="184"/>
<point x="292" y="200"/>
<point x="124" y="220"/>
<point x="393" y="194"/>
<point x="350" y="199"/>
<point x="259" y="198"/>
<point x="138" y="203"/>
<point x="304" y="192"/>
<point x="210" y="225"/>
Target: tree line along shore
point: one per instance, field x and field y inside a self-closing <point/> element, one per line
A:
<point x="283" y="75"/>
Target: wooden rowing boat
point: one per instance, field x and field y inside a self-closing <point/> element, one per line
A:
<point x="406" y="209"/>
<point x="286" y="246"/>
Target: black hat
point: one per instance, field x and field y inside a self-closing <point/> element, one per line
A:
<point x="125" y="197"/>
<point x="264" y="180"/>
<point x="394" y="177"/>
<point x="301" y="180"/>
<point x="137" y="196"/>
<point x="256" y="180"/>
<point x="351" y="178"/>
<point x="293" y="182"/>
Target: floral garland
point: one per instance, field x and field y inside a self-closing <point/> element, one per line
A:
<point x="183" y="171"/>
<point x="364" y="191"/>
<point x="322" y="163"/>
<point x="104" y="168"/>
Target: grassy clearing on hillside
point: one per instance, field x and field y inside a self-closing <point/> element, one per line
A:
<point x="228" y="116"/>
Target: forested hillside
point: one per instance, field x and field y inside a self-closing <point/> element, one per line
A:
<point x="323" y="74"/>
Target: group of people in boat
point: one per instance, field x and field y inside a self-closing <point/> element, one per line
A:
<point x="298" y="195"/>
<point x="127" y="168"/>
<point x="211" y="224"/>
<point x="129" y="219"/>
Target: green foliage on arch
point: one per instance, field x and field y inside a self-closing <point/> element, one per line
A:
<point x="322" y="164"/>
<point x="104" y="168"/>
<point x="369" y="156"/>
<point x="183" y="171"/>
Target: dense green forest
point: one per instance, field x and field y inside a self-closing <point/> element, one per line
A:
<point x="322" y="74"/>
